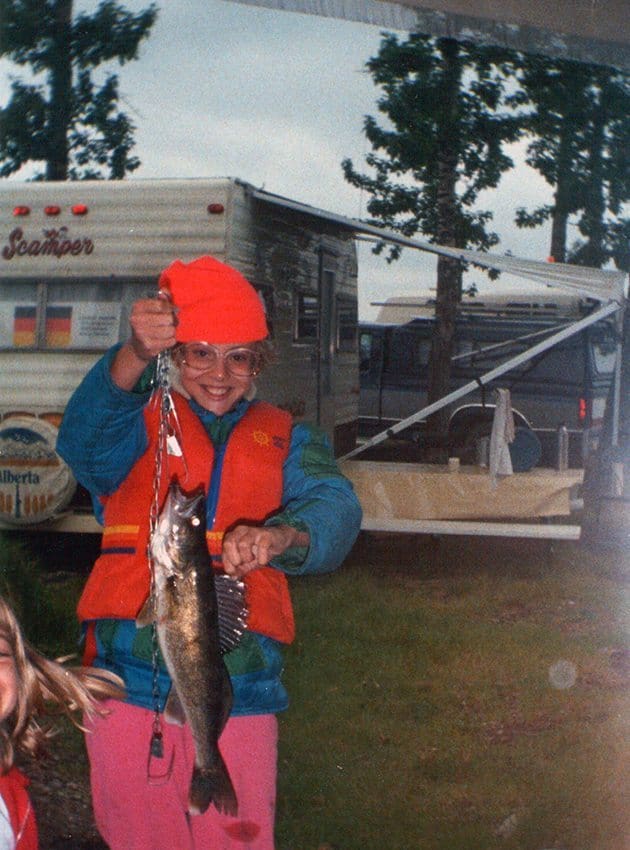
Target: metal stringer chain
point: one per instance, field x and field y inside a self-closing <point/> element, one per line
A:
<point x="161" y="395"/>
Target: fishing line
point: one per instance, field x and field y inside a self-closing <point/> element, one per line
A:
<point x="166" y="432"/>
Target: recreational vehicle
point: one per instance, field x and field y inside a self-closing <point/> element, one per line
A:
<point x="76" y="255"/>
<point x="566" y="384"/>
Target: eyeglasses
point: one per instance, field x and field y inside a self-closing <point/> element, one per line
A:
<point x="239" y="362"/>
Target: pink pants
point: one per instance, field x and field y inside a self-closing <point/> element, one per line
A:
<point x="135" y="812"/>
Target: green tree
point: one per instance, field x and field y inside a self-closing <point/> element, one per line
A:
<point x="442" y="143"/>
<point x="579" y="121"/>
<point x="578" y="116"/>
<point x="62" y="117"/>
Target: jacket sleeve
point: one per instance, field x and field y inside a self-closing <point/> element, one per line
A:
<point x="319" y="499"/>
<point x="102" y="433"/>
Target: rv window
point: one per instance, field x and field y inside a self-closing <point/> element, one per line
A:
<point x="464" y="349"/>
<point x="561" y="363"/>
<point x="408" y="353"/>
<point x="365" y="351"/>
<point x="306" y="319"/>
<point x="346" y="324"/>
<point x="604" y="356"/>
<point x="370" y="353"/>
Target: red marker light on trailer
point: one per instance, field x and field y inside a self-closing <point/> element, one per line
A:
<point x="52" y="210"/>
<point x="582" y="409"/>
<point x="79" y="209"/>
<point x="21" y="210"/>
<point x="215" y="209"/>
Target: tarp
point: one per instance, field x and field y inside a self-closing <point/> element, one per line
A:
<point x="583" y="30"/>
<point x="393" y="491"/>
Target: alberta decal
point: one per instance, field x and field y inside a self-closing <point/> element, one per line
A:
<point x="35" y="484"/>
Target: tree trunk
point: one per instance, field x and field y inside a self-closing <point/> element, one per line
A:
<point x="593" y="225"/>
<point x="558" y="248"/>
<point x="605" y="518"/>
<point x="449" y="272"/>
<point x="563" y="203"/>
<point x="449" y="290"/>
<point x="60" y="92"/>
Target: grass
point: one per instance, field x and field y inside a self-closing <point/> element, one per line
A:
<point x="45" y="608"/>
<point x="423" y="716"/>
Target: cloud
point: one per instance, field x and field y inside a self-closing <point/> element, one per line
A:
<point x="277" y="99"/>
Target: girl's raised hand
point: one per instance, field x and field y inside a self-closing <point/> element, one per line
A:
<point x="153" y="322"/>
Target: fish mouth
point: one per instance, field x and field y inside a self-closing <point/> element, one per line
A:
<point x="180" y="505"/>
<point x="180" y="511"/>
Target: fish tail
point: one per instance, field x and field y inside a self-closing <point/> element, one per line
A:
<point x="212" y="786"/>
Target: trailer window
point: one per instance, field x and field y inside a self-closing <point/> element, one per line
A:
<point x="83" y="315"/>
<point x="306" y="318"/>
<point x="18" y="316"/>
<point x="77" y="315"/>
<point x="265" y="293"/>
<point x="346" y="324"/>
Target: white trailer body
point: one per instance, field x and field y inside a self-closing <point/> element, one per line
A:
<point x="74" y="256"/>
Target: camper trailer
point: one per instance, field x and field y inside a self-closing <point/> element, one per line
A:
<point x="76" y="255"/>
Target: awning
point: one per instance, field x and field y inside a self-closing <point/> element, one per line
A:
<point x="601" y="284"/>
<point x="584" y="30"/>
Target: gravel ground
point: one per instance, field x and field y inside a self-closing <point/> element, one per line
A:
<point x="63" y="807"/>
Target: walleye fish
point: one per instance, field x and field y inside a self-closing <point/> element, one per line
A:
<point x="186" y="606"/>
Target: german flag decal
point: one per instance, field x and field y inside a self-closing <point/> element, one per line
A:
<point x="24" y="327"/>
<point x="58" y="327"/>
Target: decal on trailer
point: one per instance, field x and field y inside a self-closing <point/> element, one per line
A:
<point x="35" y="483"/>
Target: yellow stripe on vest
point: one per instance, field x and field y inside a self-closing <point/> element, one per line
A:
<point x="121" y="529"/>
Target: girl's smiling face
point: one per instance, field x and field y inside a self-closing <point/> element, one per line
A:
<point x="215" y="387"/>
<point x="8" y="680"/>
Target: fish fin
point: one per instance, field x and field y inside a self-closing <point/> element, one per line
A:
<point x="212" y="786"/>
<point x="173" y="710"/>
<point x="146" y="615"/>
<point x="232" y="610"/>
<point x="227" y="697"/>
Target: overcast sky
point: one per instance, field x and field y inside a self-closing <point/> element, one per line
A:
<point x="278" y="99"/>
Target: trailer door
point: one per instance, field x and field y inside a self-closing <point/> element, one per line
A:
<point x="325" y="343"/>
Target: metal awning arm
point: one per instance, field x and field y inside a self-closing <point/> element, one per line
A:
<point x="603" y="311"/>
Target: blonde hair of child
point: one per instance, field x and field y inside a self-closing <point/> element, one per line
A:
<point x="41" y="685"/>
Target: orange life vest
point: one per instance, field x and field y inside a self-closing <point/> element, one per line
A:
<point x="250" y="491"/>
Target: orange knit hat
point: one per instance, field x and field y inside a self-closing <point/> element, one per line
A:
<point x="215" y="302"/>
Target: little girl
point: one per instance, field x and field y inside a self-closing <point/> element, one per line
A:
<point x="27" y="682"/>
